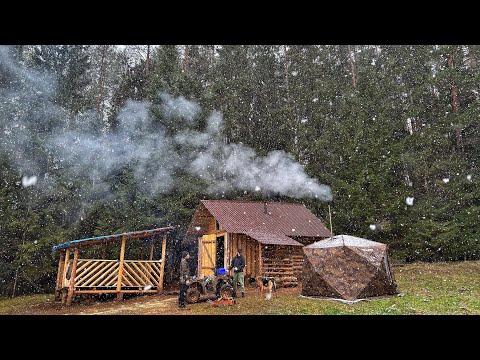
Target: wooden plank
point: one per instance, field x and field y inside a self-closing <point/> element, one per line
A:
<point x="89" y="272"/>
<point x="162" y="266"/>
<point x="72" y="277"/>
<point x="141" y="277"/>
<point x="252" y="257"/>
<point x="199" y="262"/>
<point x="111" y="277"/>
<point x="152" y="275"/>
<point x="115" y="291"/>
<point x="128" y="273"/>
<point x="135" y="270"/>
<point x="208" y="245"/>
<point x="84" y="263"/>
<point x="226" y="248"/>
<point x="120" y="269"/>
<point x="260" y="262"/>
<point x="94" y="272"/>
<point x="146" y="274"/>
<point x="244" y="246"/>
<point x="107" y="269"/>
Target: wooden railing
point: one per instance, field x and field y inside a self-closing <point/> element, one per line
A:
<point x="101" y="275"/>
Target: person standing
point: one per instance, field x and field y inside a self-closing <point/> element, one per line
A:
<point x="184" y="278"/>
<point x="238" y="264"/>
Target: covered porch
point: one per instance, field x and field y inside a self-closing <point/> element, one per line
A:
<point x="266" y="254"/>
<point x="103" y="276"/>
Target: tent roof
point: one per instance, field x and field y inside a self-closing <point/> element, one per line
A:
<point x="341" y="240"/>
<point x="108" y="238"/>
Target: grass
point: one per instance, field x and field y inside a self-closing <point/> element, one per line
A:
<point x="425" y="288"/>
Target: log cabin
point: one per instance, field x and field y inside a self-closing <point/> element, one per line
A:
<point x="270" y="234"/>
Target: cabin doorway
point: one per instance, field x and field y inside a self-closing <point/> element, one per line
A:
<point x="211" y="254"/>
<point x="220" y="256"/>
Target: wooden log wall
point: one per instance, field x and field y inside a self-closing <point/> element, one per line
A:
<point x="205" y="220"/>
<point x="284" y="263"/>
<point x="249" y="252"/>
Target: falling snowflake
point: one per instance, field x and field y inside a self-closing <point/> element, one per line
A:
<point x="35" y="242"/>
<point x="294" y="73"/>
<point x="315" y="100"/>
<point x="373" y="226"/>
<point x="197" y="228"/>
<point x="446" y="180"/>
<point x="148" y="287"/>
<point x="29" y="181"/>
<point x="257" y="188"/>
<point x="293" y="230"/>
<point x="469" y="177"/>
<point x="409" y="200"/>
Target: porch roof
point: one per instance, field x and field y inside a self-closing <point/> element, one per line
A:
<point x="109" y="238"/>
<point x="272" y="238"/>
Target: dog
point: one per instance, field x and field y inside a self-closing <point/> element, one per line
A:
<point x="266" y="283"/>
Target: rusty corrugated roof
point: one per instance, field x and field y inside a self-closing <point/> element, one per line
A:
<point x="271" y="238"/>
<point x="290" y="219"/>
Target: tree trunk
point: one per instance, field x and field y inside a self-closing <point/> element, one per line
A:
<point x="186" y="59"/>
<point x="454" y="92"/>
<point x="147" y="64"/>
<point x="352" y="66"/>
<point x="101" y="78"/>
<point x="472" y="60"/>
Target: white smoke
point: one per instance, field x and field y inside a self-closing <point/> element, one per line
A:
<point x="89" y="157"/>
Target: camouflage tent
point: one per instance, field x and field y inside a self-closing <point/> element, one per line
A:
<point x="347" y="267"/>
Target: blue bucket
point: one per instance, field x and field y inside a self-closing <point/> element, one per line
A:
<point x="221" y="271"/>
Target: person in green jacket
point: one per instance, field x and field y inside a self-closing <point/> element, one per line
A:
<point x="184" y="280"/>
<point x="238" y="264"/>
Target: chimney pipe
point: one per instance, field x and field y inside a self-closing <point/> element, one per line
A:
<point x="265" y="207"/>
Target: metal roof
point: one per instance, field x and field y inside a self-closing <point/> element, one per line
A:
<point x="341" y="240"/>
<point x="289" y="219"/>
<point x="108" y="238"/>
<point x="242" y="216"/>
<point x="270" y="238"/>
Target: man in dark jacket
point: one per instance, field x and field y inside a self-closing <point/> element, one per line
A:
<point x="238" y="264"/>
<point x="184" y="278"/>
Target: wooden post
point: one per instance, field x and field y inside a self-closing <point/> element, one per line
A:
<point x="64" y="273"/>
<point x="226" y="247"/>
<point x="260" y="262"/>
<point x="58" y="286"/>
<point x="151" y="249"/>
<point x="331" y="225"/>
<point x="120" y="269"/>
<point x="72" y="277"/>
<point x="162" y="265"/>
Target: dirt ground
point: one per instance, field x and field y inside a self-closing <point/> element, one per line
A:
<point x="138" y="305"/>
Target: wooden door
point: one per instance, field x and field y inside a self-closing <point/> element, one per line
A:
<point x="207" y="254"/>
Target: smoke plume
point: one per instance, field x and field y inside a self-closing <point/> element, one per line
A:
<point x="42" y="139"/>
